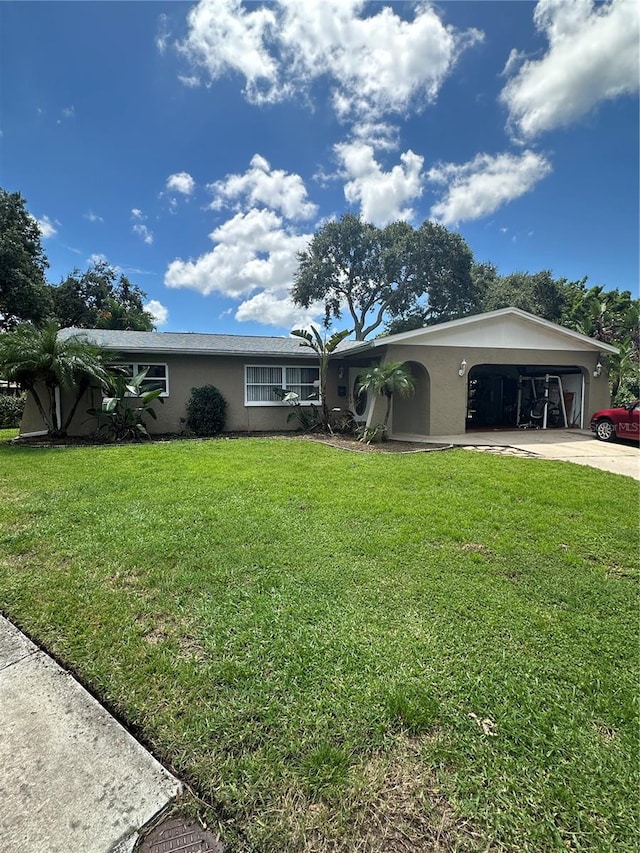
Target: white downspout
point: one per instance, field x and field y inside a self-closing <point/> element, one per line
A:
<point x="58" y="412"/>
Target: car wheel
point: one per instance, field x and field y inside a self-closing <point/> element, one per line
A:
<point x="605" y="431"/>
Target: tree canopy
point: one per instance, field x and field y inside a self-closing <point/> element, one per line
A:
<point x="611" y="316"/>
<point x="24" y="295"/>
<point x="98" y="298"/>
<point x="538" y="293"/>
<point x="351" y="265"/>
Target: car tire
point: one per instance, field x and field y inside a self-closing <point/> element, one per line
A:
<point x="605" y="430"/>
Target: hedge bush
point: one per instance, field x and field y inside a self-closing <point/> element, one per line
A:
<point x="11" y="409"/>
<point x="206" y="411"/>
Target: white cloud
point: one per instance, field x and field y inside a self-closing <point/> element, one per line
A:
<point x="262" y="185"/>
<point x="377" y="63"/>
<point x="158" y="311"/>
<point x="66" y="113"/>
<point x="191" y="81"/>
<point x="592" y="57"/>
<point x="139" y="228"/>
<point x="96" y="258"/>
<point x="93" y="217"/>
<point x="181" y="182"/>
<point x="478" y="188"/>
<point x="143" y="232"/>
<point x="47" y="227"/>
<point x="381" y="135"/>
<point x="164" y="34"/>
<point x="253" y="250"/>
<point x="273" y="310"/>
<point x="254" y="260"/>
<point x="224" y="37"/>
<point x="514" y="61"/>
<point x="382" y="196"/>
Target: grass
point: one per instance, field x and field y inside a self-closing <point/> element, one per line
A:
<point x="6" y="434"/>
<point x="348" y="651"/>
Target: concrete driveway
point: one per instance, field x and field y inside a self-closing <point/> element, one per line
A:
<point x="566" y="445"/>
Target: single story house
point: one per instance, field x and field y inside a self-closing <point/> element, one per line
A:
<point x="474" y="373"/>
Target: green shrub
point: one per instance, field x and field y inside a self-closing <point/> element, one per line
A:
<point x="206" y="411"/>
<point x="11" y="409"/>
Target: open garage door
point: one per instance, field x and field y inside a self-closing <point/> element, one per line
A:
<point x="498" y="395"/>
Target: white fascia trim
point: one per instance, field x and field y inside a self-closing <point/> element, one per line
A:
<point x="401" y="337"/>
<point x="33" y="434"/>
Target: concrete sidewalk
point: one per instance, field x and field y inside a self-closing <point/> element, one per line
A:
<point x="565" y="445"/>
<point x="72" y="779"/>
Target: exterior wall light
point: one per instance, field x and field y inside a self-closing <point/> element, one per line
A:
<point x="598" y="370"/>
<point x="463" y="368"/>
<point x="341" y="372"/>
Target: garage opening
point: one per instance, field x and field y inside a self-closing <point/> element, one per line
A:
<point x="507" y="396"/>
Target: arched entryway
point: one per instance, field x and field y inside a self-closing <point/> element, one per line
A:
<point x="411" y="415"/>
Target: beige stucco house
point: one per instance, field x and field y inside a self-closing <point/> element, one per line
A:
<point x="474" y="373"/>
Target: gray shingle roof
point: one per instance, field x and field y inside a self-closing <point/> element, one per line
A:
<point x="190" y="343"/>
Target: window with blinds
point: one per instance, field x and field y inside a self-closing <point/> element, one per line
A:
<point x="265" y="385"/>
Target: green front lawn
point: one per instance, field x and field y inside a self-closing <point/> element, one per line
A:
<point x="345" y="651"/>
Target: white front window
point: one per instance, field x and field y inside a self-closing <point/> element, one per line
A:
<point x="265" y="385"/>
<point x="157" y="375"/>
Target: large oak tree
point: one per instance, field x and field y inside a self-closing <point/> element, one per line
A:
<point x="373" y="273"/>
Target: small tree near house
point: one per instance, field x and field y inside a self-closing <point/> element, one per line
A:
<point x="385" y="380"/>
<point x="41" y="362"/>
<point x="323" y="349"/>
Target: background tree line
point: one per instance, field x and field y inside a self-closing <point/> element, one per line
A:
<point x="100" y="297"/>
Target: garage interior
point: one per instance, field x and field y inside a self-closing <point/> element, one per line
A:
<point x="507" y="396"/>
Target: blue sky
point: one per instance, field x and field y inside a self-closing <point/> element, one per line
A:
<point x="197" y="147"/>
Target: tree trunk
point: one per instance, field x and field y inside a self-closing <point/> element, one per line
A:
<point x="385" y="423"/>
<point x="54" y="429"/>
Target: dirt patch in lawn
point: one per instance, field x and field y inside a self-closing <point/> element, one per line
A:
<point x="346" y="442"/>
<point x="395" y="806"/>
<point x="343" y="442"/>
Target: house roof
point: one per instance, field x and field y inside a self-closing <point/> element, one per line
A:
<point x="190" y="343"/>
<point x="512" y="322"/>
<point x="462" y="332"/>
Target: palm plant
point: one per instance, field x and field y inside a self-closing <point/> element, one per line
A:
<point x="39" y="360"/>
<point x="385" y="380"/>
<point x="123" y="412"/>
<point x="323" y="349"/>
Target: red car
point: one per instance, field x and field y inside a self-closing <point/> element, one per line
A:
<point x="618" y="423"/>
